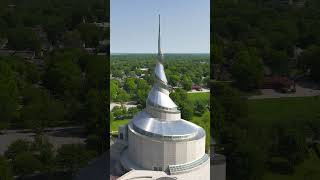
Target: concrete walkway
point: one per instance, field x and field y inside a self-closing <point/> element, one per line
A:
<point x="203" y="91"/>
<point x="57" y="136"/>
<point x="127" y="105"/>
<point x="300" y="92"/>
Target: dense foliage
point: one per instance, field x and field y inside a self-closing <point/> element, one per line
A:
<point x="52" y="74"/>
<point x="264" y="33"/>
<point x="249" y="37"/>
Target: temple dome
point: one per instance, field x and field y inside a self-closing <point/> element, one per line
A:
<point x="170" y="130"/>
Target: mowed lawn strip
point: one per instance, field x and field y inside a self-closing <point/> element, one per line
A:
<point x="309" y="169"/>
<point x="116" y="123"/>
<point x="268" y="111"/>
<point x="199" y="96"/>
<point x="265" y="112"/>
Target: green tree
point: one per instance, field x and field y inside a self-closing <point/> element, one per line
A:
<point x="123" y="96"/>
<point x="186" y="83"/>
<point x="309" y="61"/>
<point x="114" y="89"/>
<point x="133" y="111"/>
<point x="251" y="161"/>
<point x="180" y="97"/>
<point x="119" y="111"/>
<point x="279" y="62"/>
<point x="17" y="147"/>
<point x="9" y="94"/>
<point x="64" y="77"/>
<point x="173" y="79"/>
<point x="46" y="156"/>
<point x="95" y="104"/>
<point x="199" y="107"/>
<point x="247" y="70"/>
<point x="73" y="156"/>
<point x="41" y="111"/>
<point x="5" y="169"/>
<point x="96" y="71"/>
<point x="130" y="85"/>
<point x="23" y="38"/>
<point x="142" y="91"/>
<point x="90" y="34"/>
<point x="72" y="39"/>
<point x="26" y="163"/>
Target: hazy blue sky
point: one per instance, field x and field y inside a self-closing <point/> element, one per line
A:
<point x="185" y="26"/>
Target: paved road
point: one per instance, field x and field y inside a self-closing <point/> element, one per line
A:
<point x="57" y="136"/>
<point x="97" y="169"/>
<point x="127" y="105"/>
<point x="300" y="92"/>
<point x="203" y="91"/>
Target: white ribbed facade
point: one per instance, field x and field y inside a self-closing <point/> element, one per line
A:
<point x="161" y="153"/>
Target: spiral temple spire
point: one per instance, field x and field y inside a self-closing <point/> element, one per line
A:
<point x="159" y="44"/>
<point x="159" y="95"/>
<point x="159" y="70"/>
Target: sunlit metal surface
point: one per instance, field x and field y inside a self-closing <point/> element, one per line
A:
<point x="159" y="72"/>
<point x="180" y="129"/>
<point x="160" y="99"/>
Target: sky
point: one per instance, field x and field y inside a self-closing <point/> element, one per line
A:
<point x="185" y="26"/>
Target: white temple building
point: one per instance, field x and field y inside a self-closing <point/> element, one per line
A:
<point x="161" y="145"/>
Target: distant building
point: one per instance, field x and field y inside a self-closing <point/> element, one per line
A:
<point x="144" y="69"/>
<point x="3" y="43"/>
<point x="103" y="25"/>
<point x="279" y="83"/>
<point x="6" y="52"/>
<point x="26" y="54"/>
<point x="196" y="87"/>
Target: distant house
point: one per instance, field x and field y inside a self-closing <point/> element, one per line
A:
<point x="267" y="71"/>
<point x="3" y="43"/>
<point x="11" y="6"/>
<point x="104" y="42"/>
<point x="144" y="69"/>
<point x="296" y="3"/>
<point x="197" y="88"/>
<point x="6" y="52"/>
<point x="102" y="24"/>
<point x="26" y="54"/>
<point x="279" y="83"/>
<point x="297" y="51"/>
<point x="90" y="50"/>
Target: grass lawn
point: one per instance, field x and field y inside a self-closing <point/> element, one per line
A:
<point x="199" y="96"/>
<point x="116" y="123"/>
<point x="308" y="170"/>
<point x="266" y="111"/>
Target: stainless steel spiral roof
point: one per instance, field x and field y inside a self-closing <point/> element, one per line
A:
<point x="153" y="127"/>
<point x="161" y="99"/>
<point x="159" y="72"/>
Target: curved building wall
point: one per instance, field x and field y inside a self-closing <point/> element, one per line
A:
<point x="164" y="114"/>
<point x="149" y="153"/>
